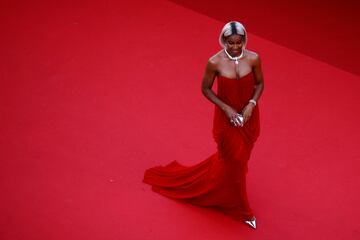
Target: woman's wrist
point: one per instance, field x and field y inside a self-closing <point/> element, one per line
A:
<point x="252" y="102"/>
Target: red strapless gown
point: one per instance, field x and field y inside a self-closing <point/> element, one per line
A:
<point x="219" y="181"/>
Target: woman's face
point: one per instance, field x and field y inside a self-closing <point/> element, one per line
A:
<point x="234" y="44"/>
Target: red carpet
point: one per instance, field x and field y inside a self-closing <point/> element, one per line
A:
<point x="92" y="94"/>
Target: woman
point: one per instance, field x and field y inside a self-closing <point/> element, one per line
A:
<point x="220" y="180"/>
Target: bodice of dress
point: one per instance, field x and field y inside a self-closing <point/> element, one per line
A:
<point x="236" y="92"/>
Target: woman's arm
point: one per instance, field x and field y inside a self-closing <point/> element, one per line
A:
<point x="207" y="83"/>
<point x="259" y="87"/>
<point x="259" y="79"/>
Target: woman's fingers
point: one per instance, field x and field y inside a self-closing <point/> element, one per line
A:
<point x="234" y="121"/>
<point x="237" y="120"/>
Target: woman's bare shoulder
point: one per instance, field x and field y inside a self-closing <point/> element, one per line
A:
<point x="253" y="56"/>
<point x="216" y="58"/>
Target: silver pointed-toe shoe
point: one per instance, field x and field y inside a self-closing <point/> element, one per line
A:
<point x="251" y="223"/>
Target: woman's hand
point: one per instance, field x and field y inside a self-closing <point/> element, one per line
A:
<point x="233" y="116"/>
<point x="247" y="111"/>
